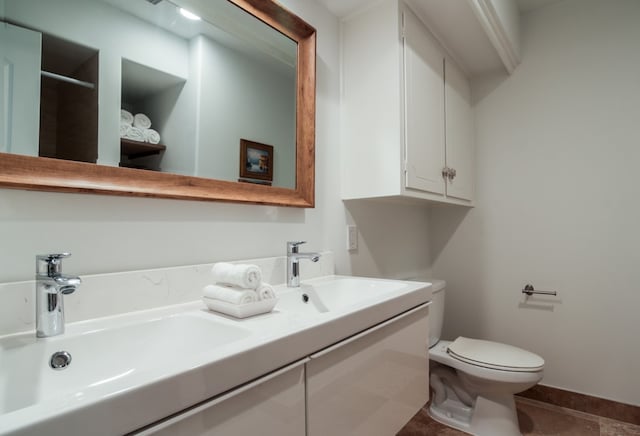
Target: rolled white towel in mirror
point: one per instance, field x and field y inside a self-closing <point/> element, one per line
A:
<point x="265" y="291"/>
<point x="230" y="294"/>
<point x="124" y="129"/>
<point x="151" y="136"/>
<point x="135" y="134"/>
<point x="242" y="275"/>
<point x="141" y="121"/>
<point x="126" y="117"/>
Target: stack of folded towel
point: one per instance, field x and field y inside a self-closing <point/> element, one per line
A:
<point x="238" y="285"/>
<point x="137" y="128"/>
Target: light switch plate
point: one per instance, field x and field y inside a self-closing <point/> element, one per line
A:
<point x="352" y="238"/>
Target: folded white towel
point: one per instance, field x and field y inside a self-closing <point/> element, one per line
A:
<point x="124" y="129"/>
<point x="230" y="294"/>
<point x="135" y="134"/>
<point x="126" y="117"/>
<point x="265" y="291"/>
<point x="240" y="310"/>
<point x="141" y="121"/>
<point x="151" y="136"/>
<point x="241" y="275"/>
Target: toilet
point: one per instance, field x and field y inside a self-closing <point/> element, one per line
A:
<point x="474" y="381"/>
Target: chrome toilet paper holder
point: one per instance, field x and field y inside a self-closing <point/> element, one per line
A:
<point x="530" y="290"/>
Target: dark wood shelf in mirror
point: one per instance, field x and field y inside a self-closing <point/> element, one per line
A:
<point x="136" y="149"/>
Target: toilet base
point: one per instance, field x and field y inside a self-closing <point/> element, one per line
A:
<point x="452" y="413"/>
<point x="492" y="415"/>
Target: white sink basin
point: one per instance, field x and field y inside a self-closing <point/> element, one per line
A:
<point x="337" y="294"/>
<point x="301" y="302"/>
<point x="101" y="356"/>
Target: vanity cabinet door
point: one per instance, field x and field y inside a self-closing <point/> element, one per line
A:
<point x="372" y="383"/>
<point x="273" y="405"/>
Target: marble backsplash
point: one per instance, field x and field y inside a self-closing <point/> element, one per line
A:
<point x="103" y="295"/>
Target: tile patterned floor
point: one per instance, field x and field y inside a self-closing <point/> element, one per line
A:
<point x="536" y="419"/>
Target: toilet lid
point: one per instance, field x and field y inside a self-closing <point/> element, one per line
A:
<point x="494" y="355"/>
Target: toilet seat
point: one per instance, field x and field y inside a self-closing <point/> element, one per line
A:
<point x="440" y="355"/>
<point x="494" y="355"/>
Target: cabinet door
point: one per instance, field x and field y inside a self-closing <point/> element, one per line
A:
<point x="459" y="132"/>
<point x="373" y="383"/>
<point x="20" y="51"/>
<point x="424" y="107"/>
<point x="271" y="406"/>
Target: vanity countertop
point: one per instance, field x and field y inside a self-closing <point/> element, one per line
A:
<point x="203" y="354"/>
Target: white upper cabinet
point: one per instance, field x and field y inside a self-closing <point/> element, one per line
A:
<point x="407" y="127"/>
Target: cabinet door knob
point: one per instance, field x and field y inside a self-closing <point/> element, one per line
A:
<point x="448" y="173"/>
<point x="452" y="174"/>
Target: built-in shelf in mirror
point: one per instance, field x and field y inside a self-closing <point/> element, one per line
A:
<point x="68" y="101"/>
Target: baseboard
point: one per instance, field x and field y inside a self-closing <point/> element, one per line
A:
<point x="584" y="403"/>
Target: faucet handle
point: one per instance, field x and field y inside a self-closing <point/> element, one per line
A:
<point x="292" y="246"/>
<point x="50" y="264"/>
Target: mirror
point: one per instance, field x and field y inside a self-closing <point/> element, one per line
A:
<point x="222" y="108"/>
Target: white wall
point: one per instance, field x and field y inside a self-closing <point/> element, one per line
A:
<point x="249" y="100"/>
<point x="116" y="234"/>
<point x="174" y="114"/>
<point x="558" y="182"/>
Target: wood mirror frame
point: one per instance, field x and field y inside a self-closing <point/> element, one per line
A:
<point x="46" y="174"/>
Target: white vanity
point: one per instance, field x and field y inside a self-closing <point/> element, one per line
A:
<point x="351" y="359"/>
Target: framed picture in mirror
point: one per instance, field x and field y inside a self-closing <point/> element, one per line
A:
<point x="256" y="161"/>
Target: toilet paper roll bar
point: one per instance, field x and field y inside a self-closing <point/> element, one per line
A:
<point x="530" y="290"/>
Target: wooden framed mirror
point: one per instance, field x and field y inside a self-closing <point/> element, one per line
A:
<point x="22" y="171"/>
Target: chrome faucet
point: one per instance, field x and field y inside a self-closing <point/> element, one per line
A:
<point x="293" y="262"/>
<point x="51" y="285"/>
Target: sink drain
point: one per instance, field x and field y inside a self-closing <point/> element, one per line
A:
<point x="60" y="360"/>
<point x="305" y="298"/>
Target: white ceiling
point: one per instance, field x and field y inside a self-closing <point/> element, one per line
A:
<point x="227" y="24"/>
<point x="529" y="5"/>
<point x="455" y="25"/>
<point x="342" y="8"/>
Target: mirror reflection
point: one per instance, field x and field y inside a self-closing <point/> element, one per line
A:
<point x="144" y="84"/>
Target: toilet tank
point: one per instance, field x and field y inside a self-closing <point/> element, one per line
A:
<point x="436" y="311"/>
